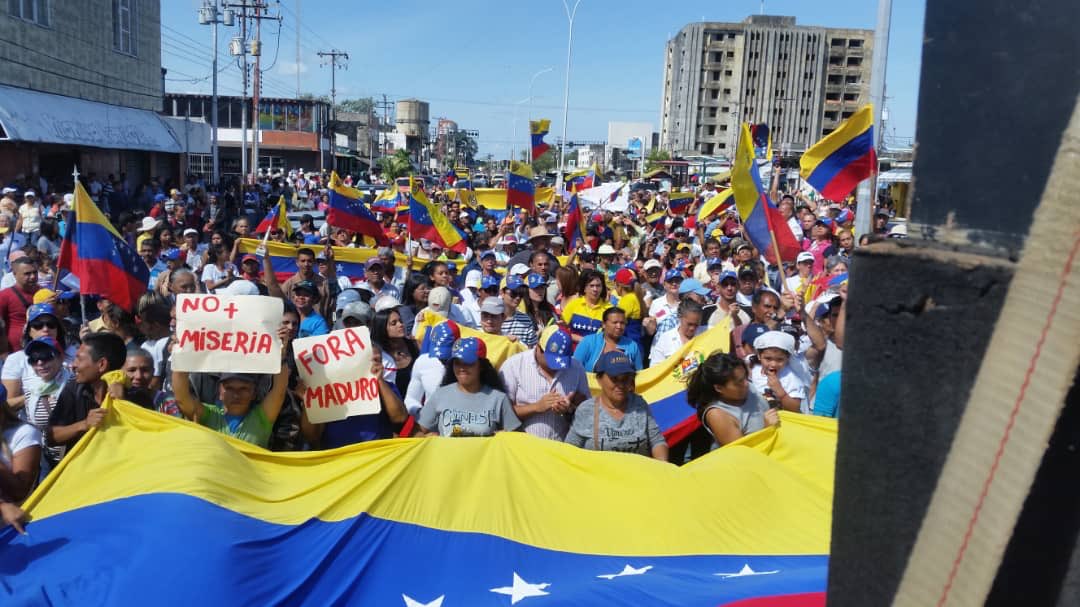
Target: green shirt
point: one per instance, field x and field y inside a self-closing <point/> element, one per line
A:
<point x="254" y="428"/>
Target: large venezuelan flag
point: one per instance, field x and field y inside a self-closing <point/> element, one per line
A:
<point x="846" y="156"/>
<point x="348" y="261"/>
<point x="102" y="260"/>
<point x="520" y="187"/>
<point x="679" y="202"/>
<point x="427" y="221"/>
<point x="152" y="510"/>
<point x="347" y="210"/>
<point x="759" y="215"/>
<point x="717" y="204"/>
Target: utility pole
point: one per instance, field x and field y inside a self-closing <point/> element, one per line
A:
<point x="297" y="49"/>
<point x="334" y="55"/>
<point x="209" y="15"/>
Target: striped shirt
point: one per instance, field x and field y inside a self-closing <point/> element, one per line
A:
<point x="527" y="383"/>
<point x="521" y="325"/>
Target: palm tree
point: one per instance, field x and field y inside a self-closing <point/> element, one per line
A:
<point x="398" y="165"/>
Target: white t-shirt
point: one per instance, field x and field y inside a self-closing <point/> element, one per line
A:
<point x="17" y="438"/>
<point x="666" y="344"/>
<point x="427" y="375"/>
<point x="788" y="380"/>
<point x="156" y="348"/>
<point x="17" y="368"/>
<point x="660" y="308"/>
<point x="213" y="274"/>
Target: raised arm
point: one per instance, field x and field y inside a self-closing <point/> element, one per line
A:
<point x="189" y="405"/>
<point x="275" y="398"/>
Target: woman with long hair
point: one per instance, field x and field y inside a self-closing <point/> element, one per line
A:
<point x="536" y="304"/>
<point x="472" y="400"/>
<point x="49" y="241"/>
<point x="584" y="314"/>
<point x="567" y="278"/>
<point x="414" y="298"/>
<point x="399" y="350"/>
<point x="219" y="270"/>
<point x="726" y="404"/>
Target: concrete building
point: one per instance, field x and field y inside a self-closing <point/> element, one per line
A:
<point x="80" y="83"/>
<point x="800" y="80"/>
<point x="411" y="120"/>
<point x="291" y="132"/>
<point x="627" y="144"/>
<point x="356" y="140"/>
<point x="444" y="140"/>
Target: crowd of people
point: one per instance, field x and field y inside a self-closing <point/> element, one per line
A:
<point x="625" y="297"/>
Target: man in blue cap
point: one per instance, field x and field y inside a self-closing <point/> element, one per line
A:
<point x="545" y="384"/>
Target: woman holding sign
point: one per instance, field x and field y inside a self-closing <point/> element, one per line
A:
<point x="472" y="400"/>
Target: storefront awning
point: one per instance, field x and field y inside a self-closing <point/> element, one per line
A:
<point x="34" y="116"/>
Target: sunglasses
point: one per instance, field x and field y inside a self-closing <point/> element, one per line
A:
<point x="41" y="358"/>
<point x="44" y="324"/>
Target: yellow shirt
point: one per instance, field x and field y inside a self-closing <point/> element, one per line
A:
<point x="582" y="318"/>
<point x="631" y="305"/>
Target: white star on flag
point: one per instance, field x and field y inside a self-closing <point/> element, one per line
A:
<point x="521" y="589"/>
<point x="411" y="602"/>
<point x="627" y="570"/>
<point x="746" y="571"/>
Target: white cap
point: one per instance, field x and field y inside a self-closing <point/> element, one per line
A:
<point x="606" y="249"/>
<point x="239" y="287"/>
<point x="804" y="256"/>
<point x="653" y="263"/>
<point x="775" y="339"/>
<point x="148" y="224"/>
<point x="386" y="302"/>
<point x="519" y="269"/>
<point x="191" y="231"/>
<point x="9" y="190"/>
<point x="439" y="300"/>
<point x="473" y="278"/>
<point x="29" y="193"/>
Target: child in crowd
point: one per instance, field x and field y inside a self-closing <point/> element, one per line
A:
<point x="771" y="375"/>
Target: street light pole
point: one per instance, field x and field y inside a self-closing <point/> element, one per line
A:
<point x="209" y="15"/>
<point x="570" y="14"/>
<point x="513" y="143"/>
<point x="866" y="193"/>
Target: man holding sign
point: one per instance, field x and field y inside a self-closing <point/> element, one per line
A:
<point x="237" y="415"/>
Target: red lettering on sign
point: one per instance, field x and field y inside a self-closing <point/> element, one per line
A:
<point x="211" y="303"/>
<point x="318" y="351"/>
<point x="188" y="304"/>
<point x="352" y="338"/>
<point x="329" y="398"/>
<point x="230" y="310"/>
<point x="313" y="397"/>
<point x="242" y="342"/>
<point x="305" y="359"/>
<point x="265" y="344"/>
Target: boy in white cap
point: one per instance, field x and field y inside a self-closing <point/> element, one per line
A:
<point x="770" y="374"/>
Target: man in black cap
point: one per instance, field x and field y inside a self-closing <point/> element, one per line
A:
<point x="304" y="296"/>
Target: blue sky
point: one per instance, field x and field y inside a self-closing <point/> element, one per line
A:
<point x="473" y="59"/>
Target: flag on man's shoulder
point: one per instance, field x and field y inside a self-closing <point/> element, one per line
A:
<point x="846" y="156"/>
<point x="104" y="262"/>
<point x="347" y="211"/>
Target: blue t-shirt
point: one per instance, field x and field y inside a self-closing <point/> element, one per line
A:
<point x="591" y="347"/>
<point x="827" y="398"/>
<point x="313" y="324"/>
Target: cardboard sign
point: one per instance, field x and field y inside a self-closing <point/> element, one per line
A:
<point x="236" y="333"/>
<point x="336" y="369"/>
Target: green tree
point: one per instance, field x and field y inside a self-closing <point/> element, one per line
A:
<point x="360" y="106"/>
<point x="544" y="163"/>
<point x="466" y="148"/>
<point x="397" y="165"/>
<point x="654" y="157"/>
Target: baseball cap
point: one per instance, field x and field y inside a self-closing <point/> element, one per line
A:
<point x="715" y="262"/>
<point x="804" y="256"/>
<point x="556" y="345"/>
<point x="774" y="339"/>
<point x="737" y="243"/>
<point x="492" y="305"/>
<point x="386" y="302"/>
<point x="614" y="362"/>
<point x="558" y="240"/>
<point x="238" y="376"/>
<point x="882" y="211"/>
<point x="306" y="285"/>
<point x="170" y="254"/>
<point x="359" y="311"/>
<point x="43" y="295"/>
<point x="519" y="269"/>
<point x="747" y="271"/>
<point x="38" y="310"/>
<point x="605" y="249"/>
<point x="474" y="279"/>
<point x="249" y="257"/>
<point x="468" y="350"/>
<point x="489" y="282"/>
<point x="385" y="252"/>
<point x="753" y="331"/>
<point x="487" y="253"/>
<point x="442" y="339"/>
<point x="239" y="287"/>
<point x="45" y="341"/>
<point x="372" y="262"/>
<point x="439" y="300"/>
<point x="451" y="267"/>
<point x="653" y="263"/>
<point x="673" y="274"/>
<point x="191" y="231"/>
<point x="29" y="194"/>
<point x="692" y="285"/>
<point x="346" y="297"/>
<point x="625" y="277"/>
<point x="728" y="275"/>
<point x="512" y="282"/>
<point x="535" y="281"/>
<point x="825" y="221"/>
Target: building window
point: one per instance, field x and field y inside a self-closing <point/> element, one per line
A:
<point x="851" y="79"/>
<point x="731" y="54"/>
<point x="723" y="127"/>
<point x="832" y="96"/>
<point x="725" y="109"/>
<point x="855" y="43"/>
<point x="715" y="94"/>
<point x="847" y="115"/>
<point x="31" y="10"/>
<point x="731" y="36"/>
<point x="851" y="96"/>
<point x="124" y="27"/>
<point x="717" y="56"/>
<point x="712" y="112"/>
<point x="854" y="61"/>
<point x="830" y="115"/>
<point x="721" y="145"/>
<point x="838" y="42"/>
<point x="716" y="75"/>
<point x="727" y="73"/>
<point x="835" y="79"/>
<point x="200" y="164"/>
<point x="727" y="91"/>
<point x="712" y="130"/>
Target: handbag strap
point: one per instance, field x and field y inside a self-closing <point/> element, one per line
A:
<point x="596" y="424"/>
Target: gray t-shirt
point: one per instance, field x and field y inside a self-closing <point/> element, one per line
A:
<point x="636" y="432"/>
<point x="750" y="415"/>
<point x="453" y="412"/>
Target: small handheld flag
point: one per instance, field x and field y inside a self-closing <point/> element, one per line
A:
<point x="837" y="163"/>
<point x="757" y="212"/>
<point x="427" y="221"/>
<point x="537" y="130"/>
<point x="347" y="211"/>
<point x="520" y="187"/>
<point x="276" y="218"/>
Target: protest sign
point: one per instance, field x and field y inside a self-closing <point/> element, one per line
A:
<point x="235" y="333"/>
<point x="336" y="370"/>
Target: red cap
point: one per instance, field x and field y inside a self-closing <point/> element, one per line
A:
<point x="625" y="277"/>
